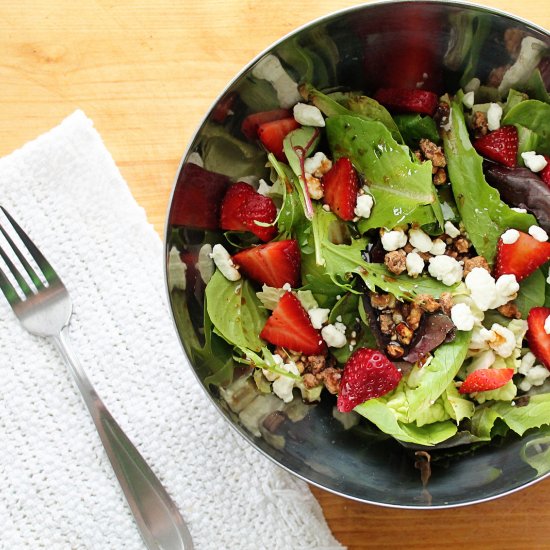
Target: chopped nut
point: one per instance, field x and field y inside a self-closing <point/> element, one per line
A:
<point x="395" y="350"/>
<point x="446" y="302"/>
<point x="433" y="152"/>
<point x="395" y="261"/>
<point x="408" y="248"/>
<point x="427" y="303"/>
<point x="414" y="316"/>
<point x="315" y="363"/>
<point x="439" y="177"/>
<point x="331" y="378"/>
<point x="310" y="380"/>
<point x="386" y="323"/>
<point x="404" y="333"/>
<point x="476" y="261"/>
<point x="314" y="187"/>
<point x="461" y="245"/>
<point x="382" y="301"/>
<point x="510" y="310"/>
<point x="479" y="124"/>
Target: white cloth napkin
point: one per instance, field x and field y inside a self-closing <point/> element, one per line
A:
<point x="57" y="489"/>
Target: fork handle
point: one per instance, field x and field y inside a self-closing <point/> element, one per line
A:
<point x="157" y="517"/>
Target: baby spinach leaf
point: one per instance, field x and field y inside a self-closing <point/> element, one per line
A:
<point x="400" y="186"/>
<point x="414" y="127"/>
<point x="235" y="311"/>
<point x="484" y="215"/>
<point x="534" y="115"/>
<point x="531" y="292"/>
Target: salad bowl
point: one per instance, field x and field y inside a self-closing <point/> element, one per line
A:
<point x="448" y="50"/>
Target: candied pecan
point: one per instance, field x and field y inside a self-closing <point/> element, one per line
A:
<point x="512" y="40"/>
<point x="476" y="261"/>
<point x="433" y="152"/>
<point x="310" y="380"/>
<point x="386" y="323"/>
<point x="397" y="317"/>
<point x="404" y="333"/>
<point x="395" y="261"/>
<point x="414" y="316"/>
<point x="479" y="124"/>
<point x="382" y="301"/>
<point x="331" y="378"/>
<point x="427" y="302"/>
<point x="395" y="350"/>
<point x="461" y="245"/>
<point x="510" y="310"/>
<point x="441" y="115"/>
<point x="408" y="248"/>
<point x="315" y="363"/>
<point x="439" y="177"/>
<point x="446" y="302"/>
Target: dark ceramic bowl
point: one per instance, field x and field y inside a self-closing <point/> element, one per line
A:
<point x="443" y="43"/>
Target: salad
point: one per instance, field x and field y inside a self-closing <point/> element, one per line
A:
<point x="396" y="259"/>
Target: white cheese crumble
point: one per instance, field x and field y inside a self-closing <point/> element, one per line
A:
<point x="363" y="206"/>
<point x="451" y="229"/>
<point x="468" y="99"/>
<point x="224" y="263"/>
<point x="510" y="236"/>
<point x="445" y="269"/>
<point x="318" y="316"/>
<point x="392" y="240"/>
<point x="334" y="336"/>
<point x="420" y="240"/>
<point x="264" y="188"/>
<point x="488" y="293"/>
<point x="414" y="264"/>
<point x="282" y="386"/>
<point x="462" y="317"/>
<point x="538" y="233"/>
<point x="308" y="115"/>
<point x="519" y="210"/>
<point x="318" y="165"/>
<point x="547" y="325"/>
<point x="501" y="339"/>
<point x="438" y="247"/>
<point x="507" y="288"/>
<point x="494" y="114"/>
<point x="534" y="375"/>
<point x="534" y="162"/>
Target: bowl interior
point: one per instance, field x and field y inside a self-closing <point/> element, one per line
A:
<point x="437" y="46"/>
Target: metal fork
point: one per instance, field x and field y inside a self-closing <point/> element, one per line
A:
<point x="45" y="310"/>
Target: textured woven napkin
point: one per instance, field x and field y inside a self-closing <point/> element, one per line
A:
<point x="57" y="489"/>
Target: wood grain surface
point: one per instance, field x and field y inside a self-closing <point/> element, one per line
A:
<point x="146" y="71"/>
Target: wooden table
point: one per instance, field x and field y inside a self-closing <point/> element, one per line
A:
<point x="146" y="71"/>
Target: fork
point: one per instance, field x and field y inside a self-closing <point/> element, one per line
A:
<point x="45" y="309"/>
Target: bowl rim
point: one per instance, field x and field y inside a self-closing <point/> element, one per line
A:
<point x="188" y="149"/>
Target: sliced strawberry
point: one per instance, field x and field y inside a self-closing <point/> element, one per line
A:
<point x="273" y="133"/>
<point x="251" y="123"/>
<point x="486" y="379"/>
<point x="290" y="327"/>
<point x="539" y="340"/>
<point x="408" y="100"/>
<point x="197" y="197"/>
<point x="500" y="145"/>
<point x="224" y="107"/>
<point x="273" y="264"/>
<point x="522" y="257"/>
<point x="242" y="206"/>
<point x="368" y="374"/>
<point x="545" y="172"/>
<point x="341" y="185"/>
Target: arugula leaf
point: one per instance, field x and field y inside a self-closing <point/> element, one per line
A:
<point x="484" y="215"/>
<point x="298" y="145"/>
<point x="534" y="115"/>
<point x="235" y="311"/>
<point x="531" y="292"/>
<point x="402" y="188"/>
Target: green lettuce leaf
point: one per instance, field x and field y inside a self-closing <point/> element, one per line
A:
<point x="484" y="215"/>
<point x="402" y="187"/>
<point x="414" y="127"/>
<point x="534" y="115"/>
<point x="531" y="292"/>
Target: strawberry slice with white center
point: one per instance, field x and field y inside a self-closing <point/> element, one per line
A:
<point x="341" y="186"/>
<point x="538" y="338"/>
<point x="500" y="145"/>
<point x="290" y="327"/>
<point x="272" y="264"/>
<point x="368" y="374"/>
<point x="522" y="257"/>
<point x="486" y="380"/>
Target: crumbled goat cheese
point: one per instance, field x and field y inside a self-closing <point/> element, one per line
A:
<point x="482" y="288"/>
<point x="270" y="69"/>
<point x="507" y="288"/>
<point x="510" y="236"/>
<point x="420" y="240"/>
<point x="468" y="99"/>
<point x="308" y="115"/>
<point x="536" y="376"/>
<point x="527" y="361"/>
<point x="264" y="188"/>
<point x="501" y="339"/>
<point x="224" y="263"/>
<point x="363" y="206"/>
<point x="547" y="325"/>
<point x="318" y="164"/>
<point x="438" y="247"/>
<point x="534" y="162"/>
<point x="451" y="230"/>
<point x="204" y="264"/>
<point x="176" y="270"/>
<point x="482" y="360"/>
<point x="445" y="269"/>
<point x="318" y="316"/>
<point x="494" y="114"/>
<point x="314" y="186"/>
<point x="392" y="240"/>
<point x="414" y="264"/>
<point x="334" y="337"/>
<point x="282" y="386"/>
<point x="538" y="233"/>
<point x="462" y="317"/>
<point x="519" y="210"/>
